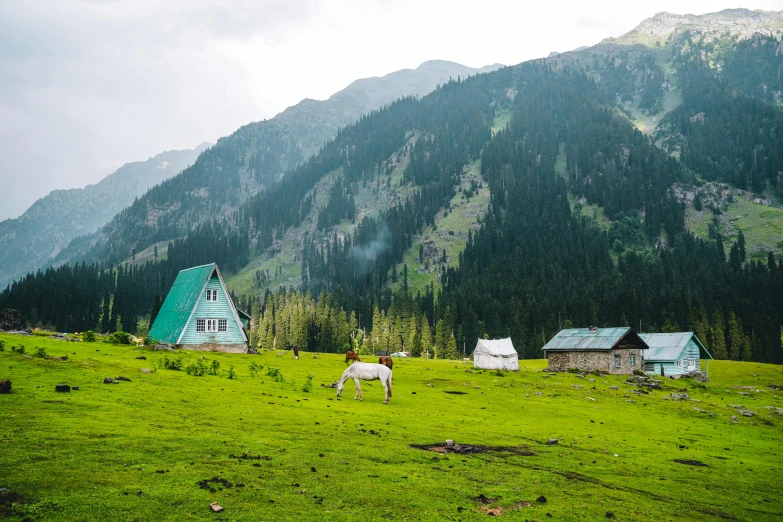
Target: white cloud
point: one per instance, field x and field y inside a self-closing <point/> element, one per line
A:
<point x="88" y="85"/>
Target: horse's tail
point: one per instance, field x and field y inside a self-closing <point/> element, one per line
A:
<point x="389" y="382"/>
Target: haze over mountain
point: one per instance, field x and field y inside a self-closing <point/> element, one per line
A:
<point x="38" y="235"/>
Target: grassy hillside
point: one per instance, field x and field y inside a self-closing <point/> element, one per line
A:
<point x="152" y="448"/>
<point x="760" y="219"/>
<point x="450" y="233"/>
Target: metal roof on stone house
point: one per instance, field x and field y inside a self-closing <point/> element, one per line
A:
<point x="669" y="346"/>
<point x="592" y="339"/>
<point x="182" y="298"/>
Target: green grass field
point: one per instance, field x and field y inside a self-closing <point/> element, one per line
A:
<point x="139" y="450"/>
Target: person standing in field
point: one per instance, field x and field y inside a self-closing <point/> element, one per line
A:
<point x="296" y="351"/>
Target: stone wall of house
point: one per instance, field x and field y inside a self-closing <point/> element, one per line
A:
<point x="595" y="361"/>
<point x="216" y="347"/>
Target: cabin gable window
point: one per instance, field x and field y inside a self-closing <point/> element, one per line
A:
<point x="212" y="295"/>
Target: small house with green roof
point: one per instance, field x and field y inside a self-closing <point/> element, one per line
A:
<point x="611" y="350"/>
<point x="671" y="354"/>
<point x="199" y="314"/>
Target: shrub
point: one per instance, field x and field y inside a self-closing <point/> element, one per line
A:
<point x="172" y="364"/>
<point x="197" y="368"/>
<point x="639" y="372"/>
<point x="2" y="346"/>
<point x="119" y="337"/>
<point x="20" y="349"/>
<point x="231" y="373"/>
<point x="308" y="385"/>
<point x="255" y="369"/>
<point x="149" y="341"/>
<point x="275" y="373"/>
<point x="88" y="336"/>
<point x="40" y="352"/>
<point x="500" y="373"/>
<point x="214" y="368"/>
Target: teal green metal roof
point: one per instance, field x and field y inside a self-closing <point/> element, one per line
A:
<point x="669" y="346"/>
<point x="179" y="303"/>
<point x="588" y="339"/>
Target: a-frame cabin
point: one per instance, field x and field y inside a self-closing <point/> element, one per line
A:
<point x="199" y="314"/>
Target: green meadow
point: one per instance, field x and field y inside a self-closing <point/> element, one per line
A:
<point x="166" y="444"/>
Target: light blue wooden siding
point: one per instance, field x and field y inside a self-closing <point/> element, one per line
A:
<point x="690" y="352"/>
<point x="213" y="310"/>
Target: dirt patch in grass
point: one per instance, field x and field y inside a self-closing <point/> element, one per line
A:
<point x="689" y="462"/>
<point x="212" y="482"/>
<point x="10" y="502"/>
<point x="245" y="456"/>
<point x="463" y="449"/>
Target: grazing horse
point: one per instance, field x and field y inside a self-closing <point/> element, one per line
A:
<point x="386" y="361"/>
<point x="351" y="356"/>
<point x="366" y="372"/>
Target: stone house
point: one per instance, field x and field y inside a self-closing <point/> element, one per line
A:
<point x="611" y="350"/>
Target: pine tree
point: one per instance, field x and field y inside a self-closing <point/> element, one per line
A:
<point x="426" y="336"/>
<point x="735" y="337"/>
<point x="450" y="351"/>
<point x="717" y="337"/>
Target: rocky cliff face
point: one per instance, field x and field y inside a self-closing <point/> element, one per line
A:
<point x="53" y="221"/>
<point x="731" y="23"/>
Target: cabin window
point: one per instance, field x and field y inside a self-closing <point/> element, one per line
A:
<point x="200" y="325"/>
<point x="633" y="360"/>
<point x="649" y="367"/>
<point x="616" y="361"/>
<point x="212" y="325"/>
<point x="222" y="325"/>
<point x="678" y="363"/>
<point x="211" y="295"/>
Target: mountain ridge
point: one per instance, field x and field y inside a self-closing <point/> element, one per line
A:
<point x="52" y="221"/>
<point x="253" y="157"/>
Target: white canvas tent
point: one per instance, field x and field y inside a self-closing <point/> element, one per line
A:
<point x="496" y="354"/>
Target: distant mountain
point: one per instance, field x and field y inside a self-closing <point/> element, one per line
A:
<point x="38" y="235"/>
<point x="253" y="157"/>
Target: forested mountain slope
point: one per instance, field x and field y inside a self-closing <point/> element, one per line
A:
<point x="255" y="156"/>
<point x="533" y="261"/>
<point x="37" y="236"/>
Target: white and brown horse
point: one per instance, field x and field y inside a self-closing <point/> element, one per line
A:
<point x="360" y="371"/>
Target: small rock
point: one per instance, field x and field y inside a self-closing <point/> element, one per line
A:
<point x="615" y="387"/>
<point x="590" y="380"/>
<point x="746" y="413"/>
<point x="5" y="386"/>
<point x="121" y="378"/>
<point x="141" y="358"/>
<point x="590" y="399"/>
<point x="539" y="393"/>
<point x="145" y="370"/>
<point x="541" y="499"/>
<point x="75" y="388"/>
<point x="108" y="380"/>
<point x="62" y="388"/>
<point x="214" y="506"/>
<point x="449" y="442"/>
<point x="609" y="514"/>
<point x="551" y="442"/>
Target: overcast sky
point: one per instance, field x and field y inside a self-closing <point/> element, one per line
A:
<point x="87" y="85"/>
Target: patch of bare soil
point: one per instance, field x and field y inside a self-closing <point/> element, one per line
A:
<point x="690" y="462"/>
<point x="440" y="447"/>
